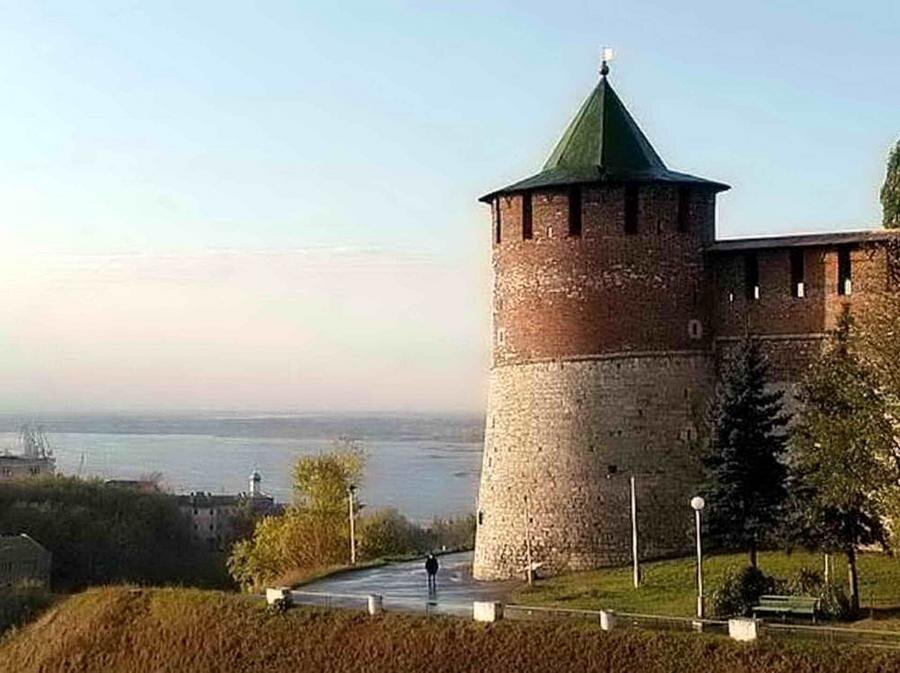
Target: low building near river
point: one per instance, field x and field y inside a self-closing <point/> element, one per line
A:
<point x="218" y="519"/>
<point x="23" y="560"/>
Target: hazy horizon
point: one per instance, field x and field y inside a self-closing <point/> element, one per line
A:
<point x="220" y="207"/>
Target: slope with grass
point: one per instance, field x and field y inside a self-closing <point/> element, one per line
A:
<point x="126" y="631"/>
<point x="669" y="587"/>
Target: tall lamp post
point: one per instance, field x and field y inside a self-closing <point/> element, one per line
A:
<point x="636" y="568"/>
<point x="697" y="503"/>
<point x="351" y="489"/>
<point x="635" y="565"/>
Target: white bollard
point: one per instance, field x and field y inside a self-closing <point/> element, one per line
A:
<point x="376" y="604"/>
<point x="487" y="611"/>
<point x="607" y="620"/>
<point x="745" y="630"/>
<point x="278" y="594"/>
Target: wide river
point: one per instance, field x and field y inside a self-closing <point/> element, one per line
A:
<point x="423" y="465"/>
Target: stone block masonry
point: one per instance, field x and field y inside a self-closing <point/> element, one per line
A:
<point x="563" y="437"/>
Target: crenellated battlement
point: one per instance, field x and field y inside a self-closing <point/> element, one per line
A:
<point x="647" y="212"/>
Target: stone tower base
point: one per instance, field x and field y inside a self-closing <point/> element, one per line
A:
<point x="563" y="438"/>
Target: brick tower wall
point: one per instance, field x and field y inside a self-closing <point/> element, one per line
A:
<point x="602" y="357"/>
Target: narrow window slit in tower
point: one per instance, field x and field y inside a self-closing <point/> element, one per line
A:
<point x="684" y="209"/>
<point x="497" y="222"/>
<point x="845" y="281"/>
<point x="751" y="276"/>
<point x="631" y="209"/>
<point x="574" y="211"/>
<point x="527" y="231"/>
<point x="798" y="287"/>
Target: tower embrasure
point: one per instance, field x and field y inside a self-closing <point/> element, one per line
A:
<point x="601" y="350"/>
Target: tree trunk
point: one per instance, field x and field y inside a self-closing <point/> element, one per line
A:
<point x="752" y="554"/>
<point x="853" y="574"/>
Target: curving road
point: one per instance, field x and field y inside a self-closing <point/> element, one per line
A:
<point x="404" y="587"/>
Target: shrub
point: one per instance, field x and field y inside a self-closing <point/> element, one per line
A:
<point x="833" y="600"/>
<point x="453" y="534"/>
<point x="740" y="590"/>
<point x="297" y="541"/>
<point x="386" y="532"/>
<point x="21" y="604"/>
<point x="805" y="582"/>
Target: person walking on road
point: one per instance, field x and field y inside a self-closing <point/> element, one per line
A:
<point x="431" y="567"/>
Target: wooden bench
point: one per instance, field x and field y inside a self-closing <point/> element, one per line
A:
<point x="787" y="606"/>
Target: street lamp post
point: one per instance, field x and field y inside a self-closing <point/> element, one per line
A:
<point x="635" y="565"/>
<point x="636" y="568"/>
<point x="350" y="491"/>
<point x="697" y="503"/>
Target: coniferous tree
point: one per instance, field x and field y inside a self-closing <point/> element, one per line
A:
<point x="890" y="191"/>
<point x="745" y="473"/>
<point x="840" y="456"/>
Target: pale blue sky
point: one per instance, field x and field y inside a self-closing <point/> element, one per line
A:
<point x="159" y="132"/>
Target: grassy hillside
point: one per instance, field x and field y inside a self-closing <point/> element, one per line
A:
<point x="669" y="587"/>
<point x="106" y="630"/>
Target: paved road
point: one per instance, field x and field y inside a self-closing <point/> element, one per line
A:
<point x="405" y="587"/>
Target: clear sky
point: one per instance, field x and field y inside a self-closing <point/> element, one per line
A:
<point x="273" y="204"/>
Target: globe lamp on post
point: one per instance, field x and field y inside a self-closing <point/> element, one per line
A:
<point x="697" y="504"/>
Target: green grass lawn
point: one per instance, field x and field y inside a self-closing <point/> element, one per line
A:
<point x="669" y="587"/>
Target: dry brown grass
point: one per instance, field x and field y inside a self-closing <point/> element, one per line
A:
<point x="115" y="630"/>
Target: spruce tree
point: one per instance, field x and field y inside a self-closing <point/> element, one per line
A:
<point x="745" y="474"/>
<point x="890" y="191"/>
<point x="841" y="448"/>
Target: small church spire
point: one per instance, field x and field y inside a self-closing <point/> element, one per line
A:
<point x="604" y="62"/>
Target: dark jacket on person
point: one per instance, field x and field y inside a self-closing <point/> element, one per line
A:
<point x="431" y="565"/>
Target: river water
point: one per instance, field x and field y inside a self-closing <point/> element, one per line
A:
<point x="423" y="465"/>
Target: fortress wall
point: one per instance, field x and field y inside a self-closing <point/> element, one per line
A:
<point x="777" y="311"/>
<point x="554" y="427"/>
<point x="793" y="330"/>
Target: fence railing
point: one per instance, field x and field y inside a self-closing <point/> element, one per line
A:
<point x="657" y="622"/>
<point x="396" y="603"/>
<point x="836" y="634"/>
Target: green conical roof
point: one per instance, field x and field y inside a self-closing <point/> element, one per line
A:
<point x="603" y="143"/>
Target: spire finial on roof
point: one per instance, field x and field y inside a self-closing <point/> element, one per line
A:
<point x="602" y="144"/>
<point x="604" y="62"/>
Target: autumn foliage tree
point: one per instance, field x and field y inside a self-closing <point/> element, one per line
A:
<point x="314" y="530"/>
<point x="890" y="191"/>
<point x="841" y="456"/>
<point x="878" y="342"/>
